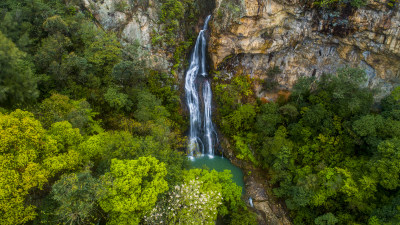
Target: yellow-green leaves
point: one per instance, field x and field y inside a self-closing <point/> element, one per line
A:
<point x="29" y="156"/>
<point x="131" y="189"/>
<point x="104" y="52"/>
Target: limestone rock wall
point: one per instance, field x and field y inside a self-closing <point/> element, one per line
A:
<point x="133" y="22"/>
<point x="292" y="36"/>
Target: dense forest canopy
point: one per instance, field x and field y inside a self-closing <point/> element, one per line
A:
<point x="91" y="134"/>
<point x="330" y="152"/>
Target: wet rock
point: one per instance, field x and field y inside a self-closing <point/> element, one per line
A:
<point x="255" y="190"/>
<point x="268" y="210"/>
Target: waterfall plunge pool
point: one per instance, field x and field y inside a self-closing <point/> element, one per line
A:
<point x="219" y="164"/>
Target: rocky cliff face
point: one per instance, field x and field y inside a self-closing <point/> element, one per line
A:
<point x="300" y="41"/>
<point x="139" y="21"/>
<point x="133" y="22"/>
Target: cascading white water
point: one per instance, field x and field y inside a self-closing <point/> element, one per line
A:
<point x="209" y="130"/>
<point x="201" y="138"/>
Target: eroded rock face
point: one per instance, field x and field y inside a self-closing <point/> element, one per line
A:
<point x="287" y="34"/>
<point x="269" y="211"/>
<point x="133" y="22"/>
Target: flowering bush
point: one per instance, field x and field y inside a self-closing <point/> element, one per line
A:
<point x="187" y="204"/>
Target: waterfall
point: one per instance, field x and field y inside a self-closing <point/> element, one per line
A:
<point x="202" y="135"/>
<point x="209" y="131"/>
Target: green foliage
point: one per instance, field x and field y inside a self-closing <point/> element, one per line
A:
<point x="243" y="150"/>
<point x="228" y="13"/>
<point x="391" y="3"/>
<point x="104" y="53"/>
<point x="30" y="156"/>
<point x="368" y="125"/>
<point x="385" y="165"/>
<point x="178" y="17"/>
<point x="164" y="88"/>
<point x="102" y="148"/>
<point x="241" y="120"/>
<point x="339" y="4"/>
<point x="55" y="24"/>
<point x="219" y="182"/>
<point x="121" y="5"/>
<point x="387" y="213"/>
<point x="76" y="195"/>
<point x="172" y="11"/>
<point x="332" y="91"/>
<point x="149" y="107"/>
<point x="131" y="189"/>
<point x="50" y="53"/>
<point x="328" y="155"/>
<point x="61" y="108"/>
<point x="230" y="96"/>
<point x="17" y="81"/>
<point x="244" y="217"/>
<point x="326" y="219"/>
<point x="99" y="81"/>
<point x="128" y="74"/>
<point x="267" y="119"/>
<point x="116" y="100"/>
<point x="202" y="197"/>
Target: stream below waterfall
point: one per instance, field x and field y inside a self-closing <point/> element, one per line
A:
<point x="203" y="138"/>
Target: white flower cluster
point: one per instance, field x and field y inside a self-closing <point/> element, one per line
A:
<point x="187" y="204"/>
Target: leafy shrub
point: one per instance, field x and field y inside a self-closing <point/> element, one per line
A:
<point x="270" y="83"/>
<point x="117" y="100"/>
<point x="121" y="5"/>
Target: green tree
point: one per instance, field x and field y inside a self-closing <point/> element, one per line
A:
<point x="30" y="156"/>
<point x="128" y="74"/>
<point x="104" y="52"/>
<point x="76" y="195"/>
<point x="50" y="55"/>
<point x="241" y="120"/>
<point x="79" y="113"/>
<point x="267" y="119"/>
<point x="385" y="166"/>
<point x="326" y="219"/>
<point x="17" y="81"/>
<point x="131" y="189"/>
<point x="117" y="100"/>
<point x="104" y="147"/>
<point x="55" y="24"/>
<point x="219" y="182"/>
<point x="149" y="107"/>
